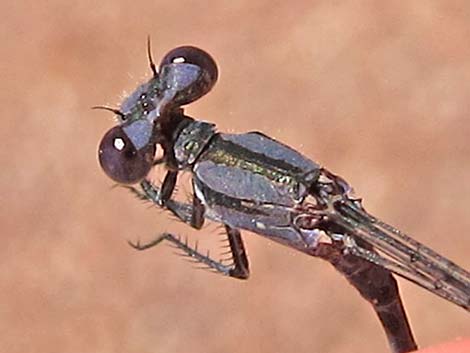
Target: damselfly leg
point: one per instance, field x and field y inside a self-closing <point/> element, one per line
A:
<point x="186" y="213"/>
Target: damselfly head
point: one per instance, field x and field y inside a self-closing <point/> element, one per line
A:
<point x="126" y="152"/>
<point x="186" y="74"/>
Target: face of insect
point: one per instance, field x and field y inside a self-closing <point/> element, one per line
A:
<point x="186" y="74"/>
<point x="126" y="152"/>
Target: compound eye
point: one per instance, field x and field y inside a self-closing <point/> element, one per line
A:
<point x="188" y="73"/>
<point x="121" y="160"/>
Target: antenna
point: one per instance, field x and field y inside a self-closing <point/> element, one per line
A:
<point x="149" y="55"/>
<point x="113" y="110"/>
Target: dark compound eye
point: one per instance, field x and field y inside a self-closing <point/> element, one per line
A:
<point x="121" y="160"/>
<point x="194" y="56"/>
<point x="187" y="73"/>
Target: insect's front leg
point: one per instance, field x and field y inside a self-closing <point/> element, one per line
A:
<point x="168" y="187"/>
<point x="187" y="213"/>
<point x="162" y="197"/>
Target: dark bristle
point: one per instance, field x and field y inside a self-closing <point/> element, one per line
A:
<point x="109" y="109"/>
<point x="153" y="67"/>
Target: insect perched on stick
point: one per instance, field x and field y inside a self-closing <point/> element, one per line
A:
<point x="252" y="182"/>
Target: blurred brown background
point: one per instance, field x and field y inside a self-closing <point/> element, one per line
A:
<point x="377" y="92"/>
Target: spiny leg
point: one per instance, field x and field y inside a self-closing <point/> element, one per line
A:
<point x="189" y="251"/>
<point x="152" y="193"/>
<point x="240" y="260"/>
<point x="189" y="214"/>
<point x="186" y="213"/>
<point x="234" y="270"/>
<point x="159" y="196"/>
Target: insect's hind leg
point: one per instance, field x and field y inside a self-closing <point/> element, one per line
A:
<point x="183" y="211"/>
<point x="238" y="269"/>
<point x="191" y="252"/>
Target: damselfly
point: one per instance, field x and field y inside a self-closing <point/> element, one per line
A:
<point x="252" y="182"/>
